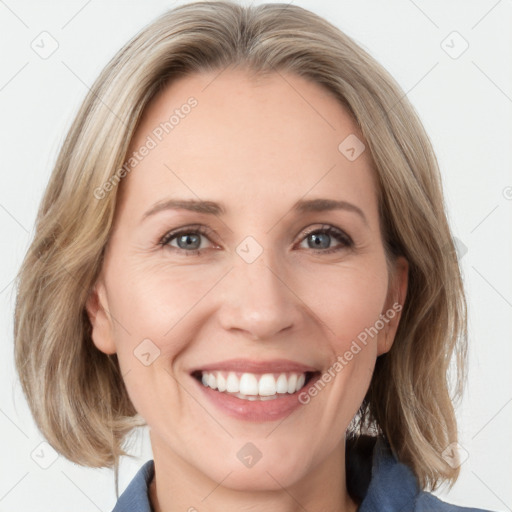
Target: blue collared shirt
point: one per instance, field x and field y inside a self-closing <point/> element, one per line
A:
<point x="390" y="486"/>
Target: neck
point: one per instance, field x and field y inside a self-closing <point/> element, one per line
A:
<point x="178" y="486"/>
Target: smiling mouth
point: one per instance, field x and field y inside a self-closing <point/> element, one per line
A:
<point x="254" y="386"/>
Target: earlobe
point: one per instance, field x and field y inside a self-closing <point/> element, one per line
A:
<point x="97" y="311"/>
<point x="397" y="291"/>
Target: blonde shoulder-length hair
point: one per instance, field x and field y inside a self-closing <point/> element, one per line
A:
<point x="76" y="393"/>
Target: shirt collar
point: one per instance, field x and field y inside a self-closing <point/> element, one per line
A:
<point x="135" y="498"/>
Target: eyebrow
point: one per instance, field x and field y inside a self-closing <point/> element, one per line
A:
<point x="213" y="208"/>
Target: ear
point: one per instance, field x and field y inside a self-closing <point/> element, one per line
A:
<point x="99" y="316"/>
<point x="395" y="300"/>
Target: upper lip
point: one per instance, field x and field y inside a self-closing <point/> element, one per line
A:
<point x="251" y="366"/>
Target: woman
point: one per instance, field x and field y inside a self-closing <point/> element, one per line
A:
<point x="244" y="246"/>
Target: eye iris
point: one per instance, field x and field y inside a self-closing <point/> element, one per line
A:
<point x="316" y="237"/>
<point x="196" y="241"/>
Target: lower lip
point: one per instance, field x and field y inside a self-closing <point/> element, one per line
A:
<point x="255" y="410"/>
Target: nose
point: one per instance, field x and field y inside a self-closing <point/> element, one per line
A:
<point x="258" y="301"/>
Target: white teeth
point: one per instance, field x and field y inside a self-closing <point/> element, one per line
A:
<point x="248" y="384"/>
<point x="292" y="383"/>
<point x="232" y="384"/>
<point x="300" y="381"/>
<point x="251" y="386"/>
<point x="282" y="384"/>
<point x="221" y="382"/>
<point x="267" y="385"/>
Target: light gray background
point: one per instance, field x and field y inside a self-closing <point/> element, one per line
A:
<point x="465" y="104"/>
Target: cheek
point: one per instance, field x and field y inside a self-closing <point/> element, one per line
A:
<point x="153" y="311"/>
<point x="349" y="305"/>
<point x="348" y="299"/>
<point x="151" y="303"/>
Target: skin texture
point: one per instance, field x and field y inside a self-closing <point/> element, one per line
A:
<point x="257" y="147"/>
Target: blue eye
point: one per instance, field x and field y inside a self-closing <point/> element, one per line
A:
<point x="320" y="239"/>
<point x="188" y="239"/>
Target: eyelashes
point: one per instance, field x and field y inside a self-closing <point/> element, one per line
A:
<point x="190" y="235"/>
<point x="182" y="232"/>
<point x="332" y="232"/>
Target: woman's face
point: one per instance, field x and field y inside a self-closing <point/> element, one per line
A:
<point x="251" y="292"/>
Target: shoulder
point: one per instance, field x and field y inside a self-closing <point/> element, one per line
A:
<point x="135" y="497"/>
<point x="427" y="502"/>
<point x="389" y="485"/>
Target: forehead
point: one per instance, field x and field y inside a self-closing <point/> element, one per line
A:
<point x="227" y="136"/>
